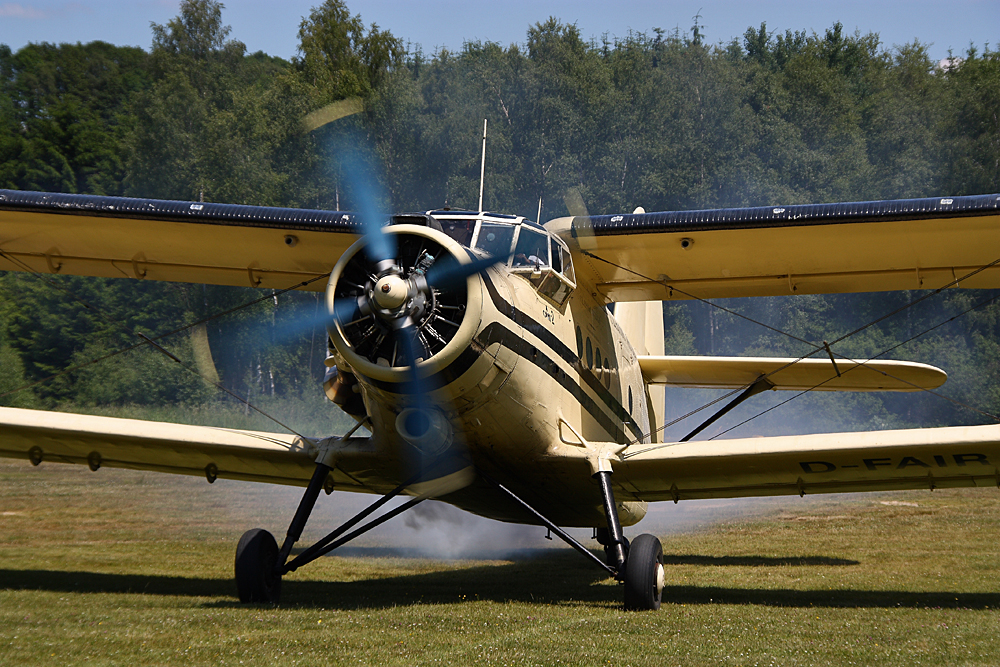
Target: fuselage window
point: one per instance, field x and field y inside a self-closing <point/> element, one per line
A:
<point x="579" y="342"/>
<point x="607" y="375"/>
<point x="597" y="360"/>
<point x="590" y="354"/>
<point x="630" y="400"/>
<point x="495" y="239"/>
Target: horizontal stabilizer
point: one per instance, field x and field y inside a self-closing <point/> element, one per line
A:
<point x="790" y="374"/>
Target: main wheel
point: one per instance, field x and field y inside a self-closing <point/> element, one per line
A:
<point x="644" y="574"/>
<point x="256" y="556"/>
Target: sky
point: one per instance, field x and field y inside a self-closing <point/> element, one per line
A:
<point x="272" y="26"/>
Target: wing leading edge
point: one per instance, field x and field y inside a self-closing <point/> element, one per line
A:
<point x="218" y="244"/>
<point x="779" y="250"/>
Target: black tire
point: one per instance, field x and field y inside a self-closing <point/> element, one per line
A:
<point x="643" y="574"/>
<point x="256" y="555"/>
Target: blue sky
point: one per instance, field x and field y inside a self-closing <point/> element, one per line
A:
<point x="272" y="26"/>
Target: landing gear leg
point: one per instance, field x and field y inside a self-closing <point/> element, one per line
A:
<point x="638" y="565"/>
<point x="615" y="547"/>
<point x="259" y="562"/>
<point x="603" y="537"/>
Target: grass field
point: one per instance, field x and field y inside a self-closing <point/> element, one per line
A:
<point x="121" y="567"/>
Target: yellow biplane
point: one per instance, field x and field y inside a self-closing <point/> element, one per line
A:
<point x="479" y="351"/>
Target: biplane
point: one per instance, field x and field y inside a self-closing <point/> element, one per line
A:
<point x="481" y="353"/>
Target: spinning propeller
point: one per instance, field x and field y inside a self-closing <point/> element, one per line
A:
<point x="404" y="303"/>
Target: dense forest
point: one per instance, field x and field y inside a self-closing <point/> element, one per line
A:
<point x="663" y="120"/>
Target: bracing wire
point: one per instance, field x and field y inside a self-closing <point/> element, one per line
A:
<point x="816" y="347"/>
<point x="153" y="341"/>
<point x="883" y="352"/>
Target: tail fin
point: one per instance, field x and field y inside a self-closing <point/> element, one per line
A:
<point x="642" y="323"/>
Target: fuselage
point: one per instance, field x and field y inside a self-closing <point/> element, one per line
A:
<point x="537" y="366"/>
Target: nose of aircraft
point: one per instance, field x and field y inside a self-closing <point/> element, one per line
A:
<point x="418" y="306"/>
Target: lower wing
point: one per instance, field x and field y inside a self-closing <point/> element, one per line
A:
<point x="822" y="463"/>
<point x="188" y="450"/>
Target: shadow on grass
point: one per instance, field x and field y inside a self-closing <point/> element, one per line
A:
<point x="841" y="598"/>
<point x="550" y="578"/>
<point x="555" y="577"/>
<point x="754" y="561"/>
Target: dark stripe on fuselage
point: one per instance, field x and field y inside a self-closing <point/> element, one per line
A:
<point x="497" y="333"/>
<point x="565" y="353"/>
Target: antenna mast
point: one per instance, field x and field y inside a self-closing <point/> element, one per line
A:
<point x="482" y="169"/>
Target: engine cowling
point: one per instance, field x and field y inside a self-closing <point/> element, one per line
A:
<point x="374" y="303"/>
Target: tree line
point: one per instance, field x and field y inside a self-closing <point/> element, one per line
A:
<point x="664" y="120"/>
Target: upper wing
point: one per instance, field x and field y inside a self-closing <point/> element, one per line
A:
<point x="769" y="251"/>
<point x="791" y="374"/>
<point x="188" y="450"/>
<point x="220" y="244"/>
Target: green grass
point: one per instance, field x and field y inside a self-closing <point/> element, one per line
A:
<point x="122" y="567"/>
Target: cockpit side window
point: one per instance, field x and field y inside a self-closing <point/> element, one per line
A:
<point x="568" y="268"/>
<point x="556" y="255"/>
<point x="532" y="249"/>
<point x="495" y="239"/>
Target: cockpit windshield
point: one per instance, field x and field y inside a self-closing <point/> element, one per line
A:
<point x="527" y="249"/>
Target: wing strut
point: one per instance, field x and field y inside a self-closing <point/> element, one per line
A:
<point x="759" y="385"/>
